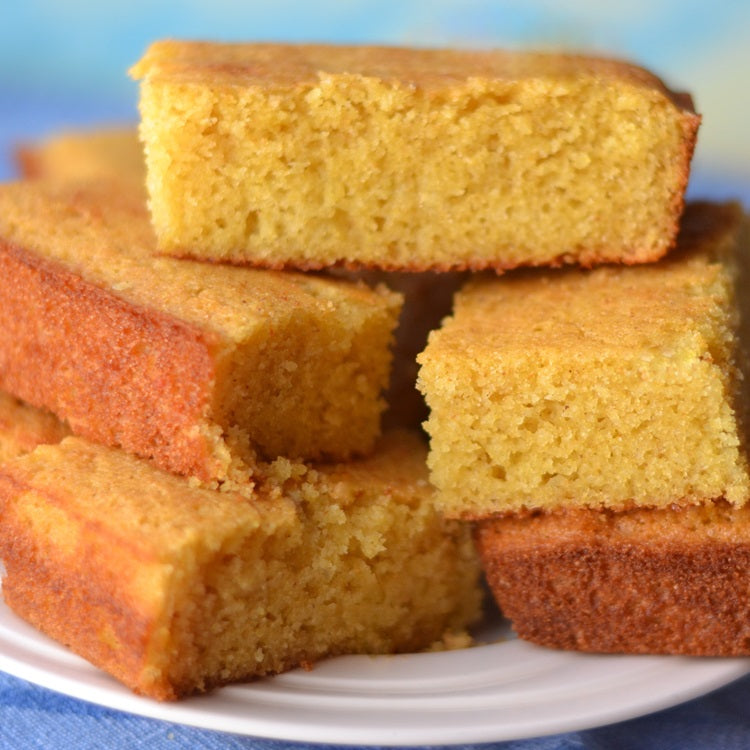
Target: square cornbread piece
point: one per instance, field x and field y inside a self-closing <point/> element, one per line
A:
<point x="175" y="589"/>
<point x="643" y="581"/>
<point x="613" y="388"/>
<point x="310" y="156"/>
<point x="174" y="360"/>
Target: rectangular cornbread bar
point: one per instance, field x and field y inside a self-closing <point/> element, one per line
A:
<point x="312" y="156"/>
<point x="174" y="360"/>
<point x="643" y="581"/>
<point x="175" y="589"/>
<point x="616" y="387"/>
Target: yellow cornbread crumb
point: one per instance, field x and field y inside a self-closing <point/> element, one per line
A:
<point x="174" y="589"/>
<point x="168" y="358"/>
<point x="22" y="427"/>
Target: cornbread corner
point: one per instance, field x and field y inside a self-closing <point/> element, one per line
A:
<point x="113" y="153"/>
<point x="192" y="365"/>
<point x="613" y="388"/>
<point x="174" y="589"/>
<point x="312" y="156"/>
<point x="643" y="581"/>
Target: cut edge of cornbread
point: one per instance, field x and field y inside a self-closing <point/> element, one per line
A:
<point x="313" y="156"/>
<point x="616" y="387"/>
<point x="645" y="581"/>
<point x="175" y="590"/>
<point x="165" y="357"/>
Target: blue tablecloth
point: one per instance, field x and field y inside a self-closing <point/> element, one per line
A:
<point x="33" y="718"/>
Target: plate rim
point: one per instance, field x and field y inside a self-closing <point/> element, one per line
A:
<point x="80" y="680"/>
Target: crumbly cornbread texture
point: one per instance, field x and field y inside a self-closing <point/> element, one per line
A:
<point x="611" y="388"/>
<point x="174" y="360"/>
<point x="22" y="427"/>
<point x="645" y="581"/>
<point x="114" y="153"/>
<point x="310" y="156"/>
<point x="174" y="589"/>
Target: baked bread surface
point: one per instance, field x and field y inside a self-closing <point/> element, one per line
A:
<point x="312" y="156"/>
<point x="645" y="581"/>
<point x="616" y="387"/>
<point x="174" y="589"/>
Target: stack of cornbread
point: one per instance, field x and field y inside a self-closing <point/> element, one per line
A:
<point x="228" y="505"/>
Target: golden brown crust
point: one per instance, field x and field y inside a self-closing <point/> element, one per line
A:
<point x="272" y="64"/>
<point x="587" y="259"/>
<point x="81" y="610"/>
<point x="175" y="589"/>
<point x="668" y="581"/>
<point x="27" y="160"/>
<point x="128" y="360"/>
<point x="538" y="159"/>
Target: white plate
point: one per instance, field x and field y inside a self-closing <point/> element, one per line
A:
<point x="504" y="690"/>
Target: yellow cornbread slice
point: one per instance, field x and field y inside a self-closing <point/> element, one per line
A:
<point x="611" y="388"/>
<point x="168" y="358"/>
<point x="314" y="155"/>
<point x="174" y="589"/>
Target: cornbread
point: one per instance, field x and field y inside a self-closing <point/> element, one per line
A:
<point x="22" y="428"/>
<point x="173" y="360"/>
<point x="644" y="581"/>
<point x="616" y="387"/>
<point x="113" y="153"/>
<point x="174" y="589"/>
<point x="311" y="156"/>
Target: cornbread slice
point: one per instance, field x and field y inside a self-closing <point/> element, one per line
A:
<point x="614" y="388"/>
<point x="310" y="156"/>
<point x="644" y="581"/>
<point x="170" y="359"/>
<point x="113" y="153"/>
<point x="22" y="427"/>
<point x="174" y="589"/>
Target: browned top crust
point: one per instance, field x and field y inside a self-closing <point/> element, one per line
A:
<point x="247" y="64"/>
